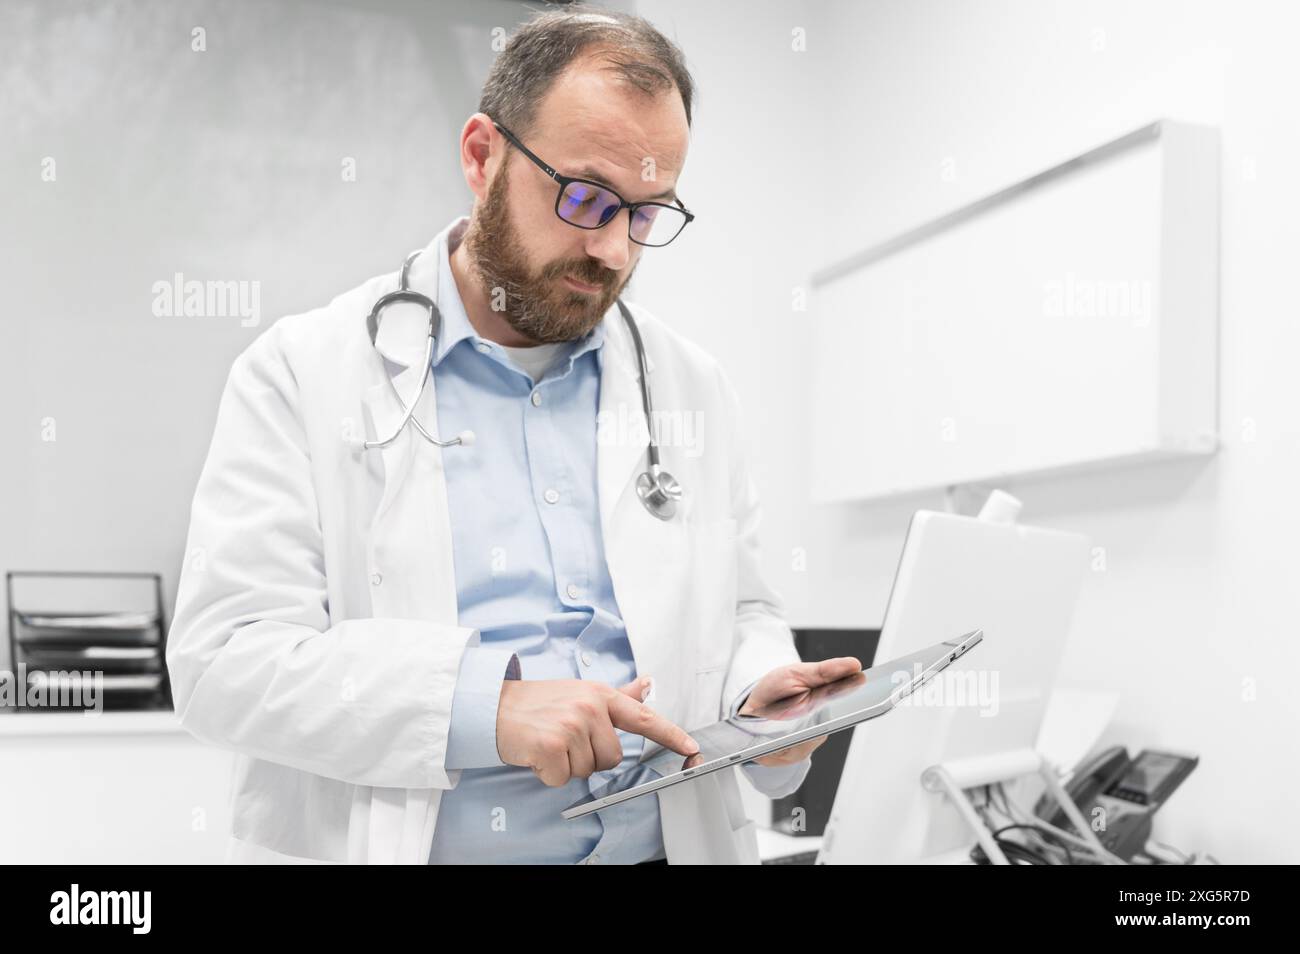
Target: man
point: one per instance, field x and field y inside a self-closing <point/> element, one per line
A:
<point x="424" y="653"/>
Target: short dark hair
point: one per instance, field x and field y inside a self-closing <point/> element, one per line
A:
<point x="542" y="48"/>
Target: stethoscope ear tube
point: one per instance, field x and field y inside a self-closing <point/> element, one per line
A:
<point x="464" y="437"/>
<point x="403" y="293"/>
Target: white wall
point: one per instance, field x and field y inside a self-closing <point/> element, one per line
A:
<point x="1193" y="616"/>
<point x="731" y="281"/>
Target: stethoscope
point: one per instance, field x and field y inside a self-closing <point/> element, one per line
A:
<point x="659" y="490"/>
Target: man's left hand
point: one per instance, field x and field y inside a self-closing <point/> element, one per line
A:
<point x="788" y="685"/>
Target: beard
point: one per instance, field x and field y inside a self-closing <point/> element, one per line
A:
<point x="537" y="304"/>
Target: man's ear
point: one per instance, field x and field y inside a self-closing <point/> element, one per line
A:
<point x="482" y="153"/>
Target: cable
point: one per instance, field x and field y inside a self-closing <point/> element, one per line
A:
<point x="1011" y="811"/>
<point x="1014" y="851"/>
<point x="1185" y="859"/>
<point x="1007" y="812"/>
<point x="1069" y="856"/>
<point x="1087" y="846"/>
<point x="1035" y="828"/>
<point x="1106" y="856"/>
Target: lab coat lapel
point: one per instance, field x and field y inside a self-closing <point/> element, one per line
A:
<point x="409" y="546"/>
<point x="634" y="540"/>
<point x="704" y="821"/>
<point x="411" y="521"/>
<point x="620" y="424"/>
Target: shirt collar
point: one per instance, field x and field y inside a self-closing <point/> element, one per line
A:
<point x="456" y="326"/>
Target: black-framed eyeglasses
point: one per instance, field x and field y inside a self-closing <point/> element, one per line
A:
<point x="590" y="205"/>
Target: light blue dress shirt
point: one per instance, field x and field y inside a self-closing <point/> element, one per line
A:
<point x="531" y="577"/>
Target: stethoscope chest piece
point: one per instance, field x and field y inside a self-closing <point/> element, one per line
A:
<point x="659" y="492"/>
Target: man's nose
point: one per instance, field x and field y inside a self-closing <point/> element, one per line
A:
<point x="610" y="244"/>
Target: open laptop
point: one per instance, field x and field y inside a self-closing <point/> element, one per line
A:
<point x="1021" y="583"/>
<point x="831" y="708"/>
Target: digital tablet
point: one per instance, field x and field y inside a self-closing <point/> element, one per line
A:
<point x="831" y="708"/>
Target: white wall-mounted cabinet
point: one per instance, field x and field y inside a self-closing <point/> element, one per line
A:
<point x="1068" y="321"/>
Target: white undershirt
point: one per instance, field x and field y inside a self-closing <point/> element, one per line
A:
<point x="536" y="360"/>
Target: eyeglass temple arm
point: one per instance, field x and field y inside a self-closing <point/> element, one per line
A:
<point x="510" y="137"/>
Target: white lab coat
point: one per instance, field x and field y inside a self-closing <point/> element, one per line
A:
<point x="316" y="632"/>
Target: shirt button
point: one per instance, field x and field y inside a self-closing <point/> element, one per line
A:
<point x="594" y="860"/>
<point x="586" y="658"/>
<point x="572" y="590"/>
<point x="376" y="578"/>
<point x="537" y="398"/>
<point x="551" y="495"/>
<point x="482" y="346"/>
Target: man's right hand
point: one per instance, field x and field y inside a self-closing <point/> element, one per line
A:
<point x="564" y="728"/>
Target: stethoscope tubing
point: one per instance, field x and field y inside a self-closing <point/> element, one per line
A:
<point x="658" y="491"/>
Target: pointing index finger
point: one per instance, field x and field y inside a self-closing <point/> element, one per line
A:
<point x="632" y="716"/>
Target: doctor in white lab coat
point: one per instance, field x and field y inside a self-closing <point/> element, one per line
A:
<point x="316" y="628"/>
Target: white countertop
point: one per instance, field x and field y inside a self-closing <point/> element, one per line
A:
<point x="17" y="722"/>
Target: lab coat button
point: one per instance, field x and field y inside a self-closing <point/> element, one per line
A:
<point x="537" y="398"/>
<point x="376" y="578"/>
<point x="551" y="496"/>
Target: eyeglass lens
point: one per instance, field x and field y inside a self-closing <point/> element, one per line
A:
<point x="590" y="207"/>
